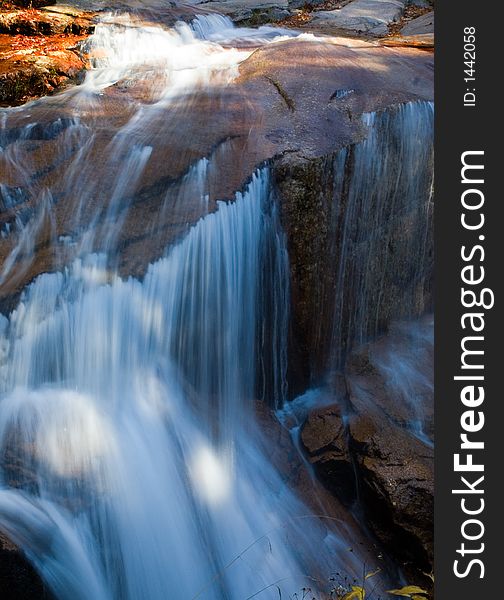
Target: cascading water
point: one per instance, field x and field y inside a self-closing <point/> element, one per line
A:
<point x="383" y="185"/>
<point x="379" y="242"/>
<point x="406" y="366"/>
<point x="129" y="406"/>
<point x="218" y="28"/>
<point x="133" y="467"/>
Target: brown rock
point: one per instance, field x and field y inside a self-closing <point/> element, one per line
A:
<point x="32" y="3"/>
<point x="238" y="126"/>
<point x="325" y="440"/>
<point x="397" y="487"/>
<point x="34" y="67"/>
<point x="47" y="22"/>
<point x="39" y="50"/>
<point x="388" y="433"/>
<point x="373" y="450"/>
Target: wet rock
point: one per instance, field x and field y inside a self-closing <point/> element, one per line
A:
<point x="392" y="471"/>
<point x="18" y="579"/>
<point x="372" y="442"/>
<point x="288" y="459"/>
<point x="279" y="108"/>
<point x="394" y="374"/>
<point x="396" y="477"/>
<point x="371" y="17"/>
<point x="324" y="439"/>
<point x="338" y="272"/>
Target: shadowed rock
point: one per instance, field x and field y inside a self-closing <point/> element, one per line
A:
<point x="370" y="449"/>
<point x="422" y="25"/>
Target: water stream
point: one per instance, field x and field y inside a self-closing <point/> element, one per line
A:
<point x="133" y="466"/>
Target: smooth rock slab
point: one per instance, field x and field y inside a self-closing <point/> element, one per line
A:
<point x="280" y="104"/>
<point x="363" y="16"/>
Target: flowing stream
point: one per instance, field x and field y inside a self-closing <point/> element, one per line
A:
<point x="133" y="466"/>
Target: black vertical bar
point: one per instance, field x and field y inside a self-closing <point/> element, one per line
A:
<point x="464" y="128"/>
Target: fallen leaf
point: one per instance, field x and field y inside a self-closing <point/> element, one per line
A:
<point x="408" y="591"/>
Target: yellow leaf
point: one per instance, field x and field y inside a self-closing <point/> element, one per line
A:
<point x="372" y="574"/>
<point x="357" y="593"/>
<point x="408" y="591"/>
<point x="417" y="597"/>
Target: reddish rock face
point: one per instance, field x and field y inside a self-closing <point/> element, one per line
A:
<point x="32" y="3"/>
<point x="279" y="105"/>
<point x="46" y="22"/>
<point x="36" y="67"/>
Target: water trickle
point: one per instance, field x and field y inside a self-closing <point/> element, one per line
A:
<point x="381" y="224"/>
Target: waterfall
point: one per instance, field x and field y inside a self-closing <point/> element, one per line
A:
<point x="381" y="225"/>
<point x="206" y="27"/>
<point x="133" y="468"/>
<point x="134" y="462"/>
<point x="123" y="403"/>
<point x="219" y="28"/>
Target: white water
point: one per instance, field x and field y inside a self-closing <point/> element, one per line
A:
<point x="120" y="46"/>
<point x="133" y="465"/>
<point x="218" y="28"/>
<point x="130" y="406"/>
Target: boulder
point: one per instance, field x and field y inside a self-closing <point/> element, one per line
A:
<point x="396" y="479"/>
<point x="370" y="17"/>
<point x="324" y="438"/>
